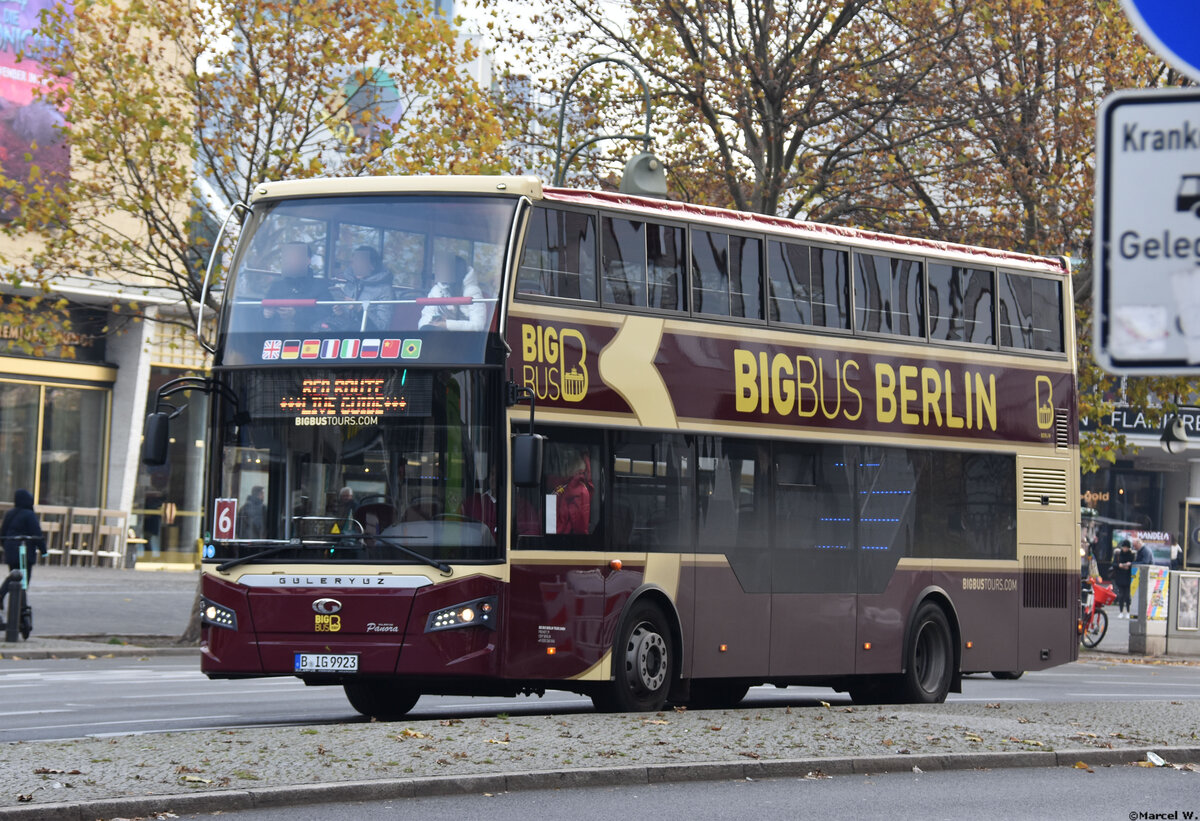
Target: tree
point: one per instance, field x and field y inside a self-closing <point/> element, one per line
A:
<point x="760" y="106"/>
<point x="996" y="147"/>
<point x="179" y="109"/>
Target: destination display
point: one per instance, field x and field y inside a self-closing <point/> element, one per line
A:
<point x="327" y="397"/>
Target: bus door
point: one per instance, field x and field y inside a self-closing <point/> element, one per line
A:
<point x="732" y="611"/>
<point x="814" y="574"/>
<point x="886" y="484"/>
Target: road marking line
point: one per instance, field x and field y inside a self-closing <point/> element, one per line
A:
<point x="129" y="721"/>
<point x="32" y="712"/>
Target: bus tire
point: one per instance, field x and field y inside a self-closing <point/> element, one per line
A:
<point x="929" y="658"/>
<point x="1007" y="675"/>
<point x="643" y="663"/>
<point x="381" y="699"/>
<point x="716" y="693"/>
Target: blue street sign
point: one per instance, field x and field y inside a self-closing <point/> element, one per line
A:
<point x="1171" y="28"/>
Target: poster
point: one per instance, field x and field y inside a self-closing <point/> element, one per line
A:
<point x="1189" y="603"/>
<point x="30" y="130"/>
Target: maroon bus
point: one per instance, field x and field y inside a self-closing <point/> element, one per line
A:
<point x="470" y="435"/>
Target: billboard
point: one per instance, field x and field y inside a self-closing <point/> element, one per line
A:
<point x="30" y="130"/>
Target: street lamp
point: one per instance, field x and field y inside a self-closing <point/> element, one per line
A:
<point x="1174" y="436"/>
<point x="644" y="174"/>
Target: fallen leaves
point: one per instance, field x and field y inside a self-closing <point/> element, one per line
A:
<point x="1079" y="765"/>
<point x="408" y="732"/>
<point x="51" y="771"/>
<point x="974" y="739"/>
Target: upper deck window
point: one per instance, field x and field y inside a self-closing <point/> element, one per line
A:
<point x="1031" y="313"/>
<point x="560" y="255"/>
<point x="808" y="285"/>
<point x="726" y="275"/>
<point x="960" y="304"/>
<point x="337" y="275"/>
<point x="643" y="264"/>
<point x="888" y="295"/>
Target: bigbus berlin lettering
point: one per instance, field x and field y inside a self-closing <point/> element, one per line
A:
<point x="726" y="380"/>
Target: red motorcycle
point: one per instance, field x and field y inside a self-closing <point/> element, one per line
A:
<point x="1093" y="621"/>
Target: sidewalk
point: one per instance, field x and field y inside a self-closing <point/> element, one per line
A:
<point x="78" y="611"/>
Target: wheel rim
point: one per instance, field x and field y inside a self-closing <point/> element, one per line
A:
<point x="929" y="658"/>
<point x="646" y="659"/>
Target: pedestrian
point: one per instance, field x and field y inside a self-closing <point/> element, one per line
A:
<point x="1142" y="553"/>
<point x="252" y="517"/>
<point x="1176" y="555"/>
<point x="21" y="527"/>
<point x="1122" y="573"/>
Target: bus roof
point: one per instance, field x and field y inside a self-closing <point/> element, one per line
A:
<point x="532" y="188"/>
<point x="342" y="186"/>
<point x="750" y="221"/>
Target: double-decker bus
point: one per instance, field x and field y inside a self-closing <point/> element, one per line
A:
<point x="471" y="435"/>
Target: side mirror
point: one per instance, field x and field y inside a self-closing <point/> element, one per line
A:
<point x="527" y="459"/>
<point x="155" y="438"/>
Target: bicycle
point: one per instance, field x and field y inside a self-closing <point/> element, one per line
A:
<point x="20" y="615"/>
<point x="1093" y="621"/>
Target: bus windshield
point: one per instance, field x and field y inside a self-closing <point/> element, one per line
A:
<point x="356" y="466"/>
<point x="367" y="277"/>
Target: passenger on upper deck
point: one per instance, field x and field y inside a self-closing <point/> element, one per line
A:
<point x="369" y="283"/>
<point x="296" y="282"/>
<point x="455" y="279"/>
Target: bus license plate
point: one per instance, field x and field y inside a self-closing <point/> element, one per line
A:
<point x="326" y="663"/>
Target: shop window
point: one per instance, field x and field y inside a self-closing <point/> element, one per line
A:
<point x="19" y="405"/>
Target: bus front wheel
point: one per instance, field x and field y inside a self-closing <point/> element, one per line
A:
<point x="643" y="663"/>
<point x="929" y="660"/>
<point x="381" y="699"/>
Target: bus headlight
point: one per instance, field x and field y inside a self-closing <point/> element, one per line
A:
<point x="217" y="615"/>
<point x="474" y="613"/>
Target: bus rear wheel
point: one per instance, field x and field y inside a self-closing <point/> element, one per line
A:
<point x="381" y="699"/>
<point x="929" y="659"/>
<point x="1007" y="675"/>
<point x="716" y="693"/>
<point x="643" y="664"/>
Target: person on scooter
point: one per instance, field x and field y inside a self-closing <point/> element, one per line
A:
<point x="20" y="526"/>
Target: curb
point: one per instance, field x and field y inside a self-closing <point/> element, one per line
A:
<point x="391" y="788"/>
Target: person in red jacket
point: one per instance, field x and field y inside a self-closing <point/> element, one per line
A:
<point x="574" y="492"/>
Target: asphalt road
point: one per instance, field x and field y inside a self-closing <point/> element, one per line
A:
<point x="1116" y="792"/>
<point x="63" y="698"/>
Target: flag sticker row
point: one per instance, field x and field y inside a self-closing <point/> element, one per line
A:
<point x="341" y="349"/>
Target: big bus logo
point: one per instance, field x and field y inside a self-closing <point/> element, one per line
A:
<point x="554" y="362"/>
<point x="1044" y="390"/>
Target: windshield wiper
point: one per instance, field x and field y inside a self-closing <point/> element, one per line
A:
<point x="436" y="563"/>
<point x="290" y="544"/>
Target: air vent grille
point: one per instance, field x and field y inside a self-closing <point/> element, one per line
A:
<point x="1048" y="582"/>
<point x="1062" y="429"/>
<point x="1044" y="486"/>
